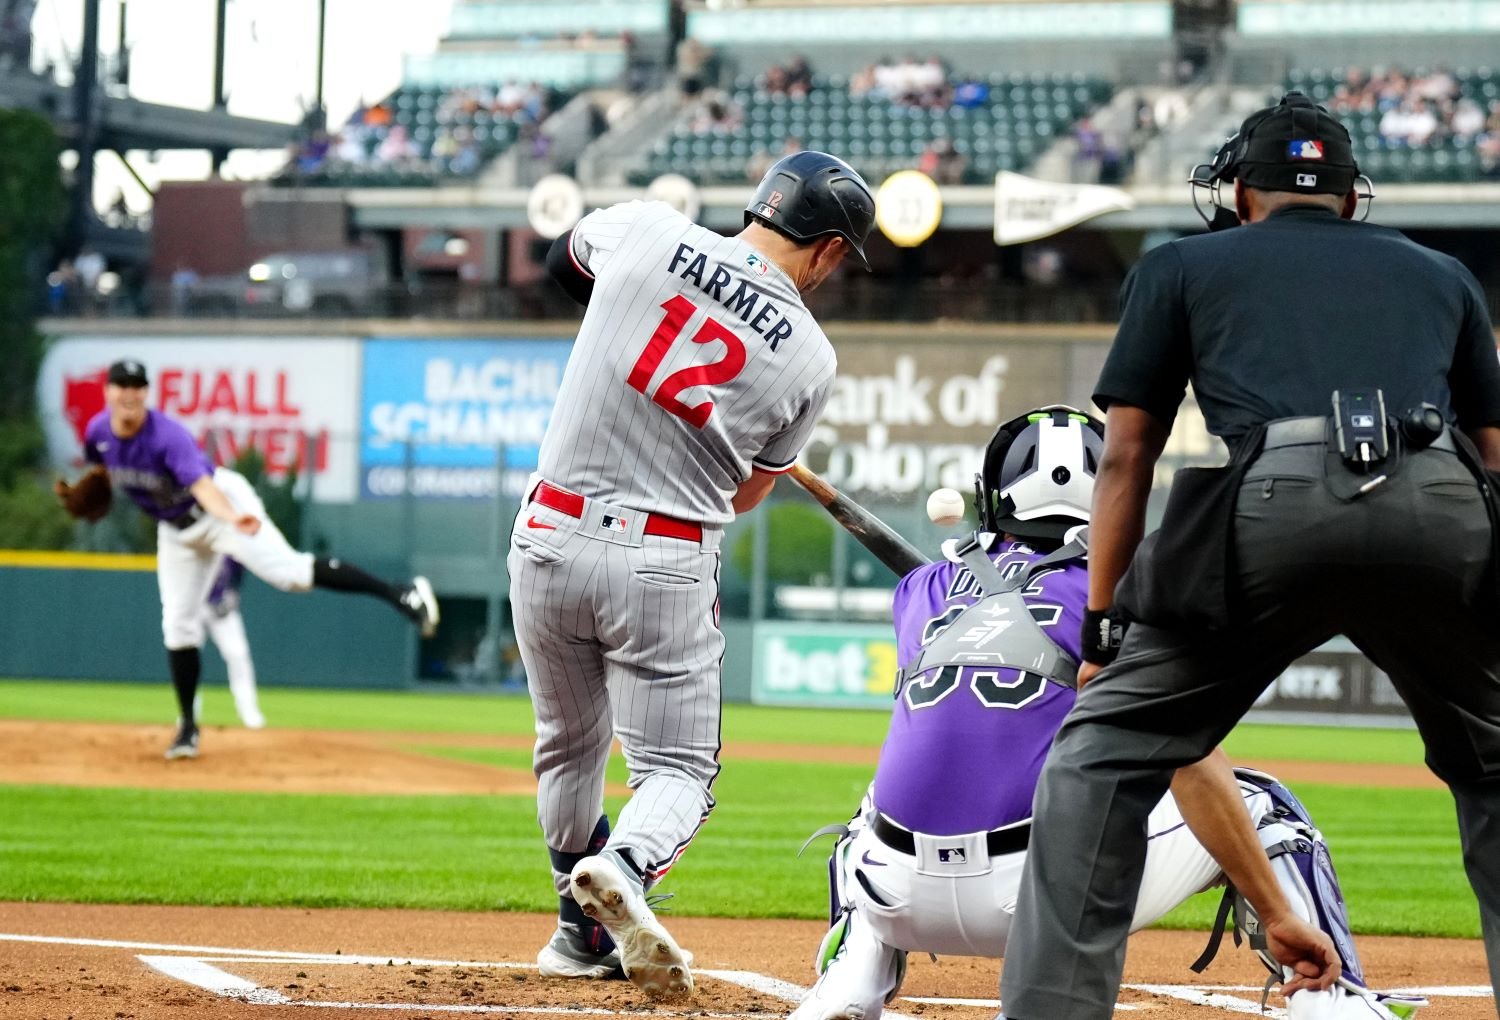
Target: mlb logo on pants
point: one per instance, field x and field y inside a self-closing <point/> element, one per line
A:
<point x="609" y="523"/>
<point x="951" y="855"/>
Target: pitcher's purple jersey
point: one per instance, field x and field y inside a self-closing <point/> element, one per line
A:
<point x="154" y="467"/>
<point x="965" y="747"/>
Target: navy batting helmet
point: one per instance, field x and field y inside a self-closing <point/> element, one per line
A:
<point x="1038" y="478"/>
<point x="809" y="195"/>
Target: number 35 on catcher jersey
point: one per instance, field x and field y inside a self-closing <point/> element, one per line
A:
<point x="695" y="362"/>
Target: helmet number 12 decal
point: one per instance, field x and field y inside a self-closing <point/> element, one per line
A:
<point x="721" y="370"/>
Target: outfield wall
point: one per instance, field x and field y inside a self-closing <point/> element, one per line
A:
<point x="90" y="617"/>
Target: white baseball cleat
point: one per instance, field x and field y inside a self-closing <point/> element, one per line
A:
<point x="423" y="605"/>
<point x="1342" y="1002"/>
<point x="860" y="975"/>
<point x="253" y="719"/>
<point x="650" y="957"/>
<point x="568" y="955"/>
<point x="185" y="744"/>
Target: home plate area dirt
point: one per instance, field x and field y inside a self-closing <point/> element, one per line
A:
<point x="61" y="961"/>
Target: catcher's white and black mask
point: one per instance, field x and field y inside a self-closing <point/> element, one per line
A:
<point x="1038" y="477"/>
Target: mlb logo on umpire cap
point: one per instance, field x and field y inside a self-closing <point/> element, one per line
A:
<point x="952" y="855"/>
<point x="1300" y="149"/>
<point x="1307" y="180"/>
<point x="609" y="523"/>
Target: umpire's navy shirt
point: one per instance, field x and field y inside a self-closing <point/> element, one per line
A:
<point x="1268" y="319"/>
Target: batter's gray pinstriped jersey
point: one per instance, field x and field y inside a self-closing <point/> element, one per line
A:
<point x="695" y="361"/>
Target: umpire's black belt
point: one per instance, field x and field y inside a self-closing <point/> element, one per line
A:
<point x="1010" y="840"/>
<point x="1314" y="432"/>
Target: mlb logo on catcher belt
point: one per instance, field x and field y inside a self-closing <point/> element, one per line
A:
<point x="617" y="524"/>
<point x="952" y="855"/>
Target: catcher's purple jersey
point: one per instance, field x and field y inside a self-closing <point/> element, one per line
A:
<point x="154" y="467"/>
<point x="964" y="756"/>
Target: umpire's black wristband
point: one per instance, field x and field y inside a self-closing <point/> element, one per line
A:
<point x="1103" y="632"/>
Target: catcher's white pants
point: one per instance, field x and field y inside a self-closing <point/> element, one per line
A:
<point x="187" y="561"/>
<point x="920" y="903"/>
<point x="227" y="631"/>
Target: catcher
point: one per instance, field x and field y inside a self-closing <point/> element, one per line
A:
<point x="203" y="514"/>
<point x="989" y="641"/>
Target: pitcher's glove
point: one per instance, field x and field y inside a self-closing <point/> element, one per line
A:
<point x="88" y="498"/>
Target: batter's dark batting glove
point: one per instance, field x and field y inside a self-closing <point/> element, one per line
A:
<point x="1103" y="632"/>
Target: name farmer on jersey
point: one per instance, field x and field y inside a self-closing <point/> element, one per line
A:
<point x="743" y="299"/>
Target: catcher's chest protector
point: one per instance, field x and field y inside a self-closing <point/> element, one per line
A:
<point x="1001" y="630"/>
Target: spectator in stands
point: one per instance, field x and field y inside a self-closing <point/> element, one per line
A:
<point x="397" y="146"/>
<point x="971" y="93"/>
<point x="184" y="279"/>
<point x="510" y="98"/>
<point x="799" y="78"/>
<point x="1468" y="120"/>
<point x="931" y="88"/>
<point x="313" y="152"/>
<point x="353" y="147"/>
<point x="693" y="58"/>
<point x="1488" y="143"/>
<point x="943" y="163"/>
<point x="378" y="116"/>
<point x="466" y="162"/>
<point x="863" y="82"/>
<point x="1411" y="123"/>
<point x="717" y="116"/>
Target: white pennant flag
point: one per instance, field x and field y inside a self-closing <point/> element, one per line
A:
<point x="1027" y="209"/>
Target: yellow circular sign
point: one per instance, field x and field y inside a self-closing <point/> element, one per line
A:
<point x="908" y="208"/>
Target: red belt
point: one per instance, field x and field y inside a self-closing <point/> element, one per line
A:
<point x="571" y="503"/>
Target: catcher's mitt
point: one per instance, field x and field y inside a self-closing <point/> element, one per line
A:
<point x="88" y="498"/>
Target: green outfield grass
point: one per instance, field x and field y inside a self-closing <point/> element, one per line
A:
<point x="1397" y="850"/>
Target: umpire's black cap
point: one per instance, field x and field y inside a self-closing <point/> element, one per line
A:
<point x="128" y="372"/>
<point x="1296" y="146"/>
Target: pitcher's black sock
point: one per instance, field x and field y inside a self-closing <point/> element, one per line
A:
<point x="337" y="575"/>
<point x="186" y="665"/>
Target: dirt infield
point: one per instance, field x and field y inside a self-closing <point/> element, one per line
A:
<point x="62" y="961"/>
<point x="316" y="761"/>
<point x="274" y="964"/>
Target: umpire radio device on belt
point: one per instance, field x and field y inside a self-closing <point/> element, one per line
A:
<point x="1359" y="427"/>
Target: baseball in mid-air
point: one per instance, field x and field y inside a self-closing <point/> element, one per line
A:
<point x="945" y="507"/>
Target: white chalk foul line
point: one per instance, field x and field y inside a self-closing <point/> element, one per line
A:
<point x="230" y="952"/>
<point x="196" y="969"/>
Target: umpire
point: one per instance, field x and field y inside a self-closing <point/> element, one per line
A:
<point x="1335" y="515"/>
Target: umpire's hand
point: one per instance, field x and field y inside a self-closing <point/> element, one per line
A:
<point x="1306" y="950"/>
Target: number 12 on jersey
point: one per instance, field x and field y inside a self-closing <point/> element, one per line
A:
<point x="728" y="365"/>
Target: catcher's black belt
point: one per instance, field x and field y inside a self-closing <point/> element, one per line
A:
<point x="1010" y="840"/>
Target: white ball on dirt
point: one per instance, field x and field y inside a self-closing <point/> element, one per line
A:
<point x="945" y="507"/>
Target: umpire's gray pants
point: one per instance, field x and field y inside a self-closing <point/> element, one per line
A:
<point x="1398" y="571"/>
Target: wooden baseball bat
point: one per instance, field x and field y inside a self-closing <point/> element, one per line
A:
<point x="873" y="533"/>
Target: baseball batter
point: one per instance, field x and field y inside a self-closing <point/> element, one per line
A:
<point x="204" y="514"/>
<point x="931" y="862"/>
<point x="226" y="628"/>
<point x="696" y="378"/>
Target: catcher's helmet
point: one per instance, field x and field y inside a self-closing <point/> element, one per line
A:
<point x="809" y="195"/>
<point x="1038" y="478"/>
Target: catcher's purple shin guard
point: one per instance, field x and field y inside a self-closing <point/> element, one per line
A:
<point x="1305" y="870"/>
